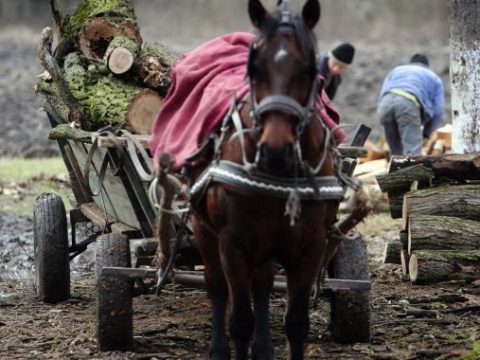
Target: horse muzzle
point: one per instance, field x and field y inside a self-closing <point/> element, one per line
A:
<point x="277" y="160"/>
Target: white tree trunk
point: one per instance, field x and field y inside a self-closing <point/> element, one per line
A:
<point x="465" y="74"/>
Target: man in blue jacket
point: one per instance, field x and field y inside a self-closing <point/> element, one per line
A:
<point x="411" y="106"/>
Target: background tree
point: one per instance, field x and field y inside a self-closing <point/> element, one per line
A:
<point x="465" y="74"/>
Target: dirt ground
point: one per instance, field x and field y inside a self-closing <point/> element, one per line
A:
<point x="177" y="326"/>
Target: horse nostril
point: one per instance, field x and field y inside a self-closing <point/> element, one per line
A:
<point x="276" y="158"/>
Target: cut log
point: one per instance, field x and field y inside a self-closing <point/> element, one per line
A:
<point x="95" y="23"/>
<point x="428" y="232"/>
<point x="454" y="166"/>
<point x="403" y="178"/>
<point x="121" y="54"/>
<point x="391" y="252"/>
<point x="429" y="266"/>
<point x="154" y="65"/>
<point x="395" y="202"/>
<point x="455" y="200"/>
<point x="65" y="131"/>
<point x="111" y="101"/>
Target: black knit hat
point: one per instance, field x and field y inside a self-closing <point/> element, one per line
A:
<point x="344" y="53"/>
<point x="420" y="58"/>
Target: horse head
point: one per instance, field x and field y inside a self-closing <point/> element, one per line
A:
<point x="283" y="83"/>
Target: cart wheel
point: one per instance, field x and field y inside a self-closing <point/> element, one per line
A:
<point x="350" y="309"/>
<point x="114" y="295"/>
<point x="50" y="244"/>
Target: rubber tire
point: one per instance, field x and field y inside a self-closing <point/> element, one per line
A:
<point x="50" y="247"/>
<point x="114" y="314"/>
<point x="350" y="309"/>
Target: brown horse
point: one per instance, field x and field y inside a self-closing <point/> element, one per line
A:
<point x="270" y="195"/>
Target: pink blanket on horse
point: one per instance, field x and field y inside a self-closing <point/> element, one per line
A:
<point x="202" y="88"/>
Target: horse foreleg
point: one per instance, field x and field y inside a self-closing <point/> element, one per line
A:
<point x="217" y="291"/>
<point x="297" y="323"/>
<point x="239" y="282"/>
<point x="262" y="347"/>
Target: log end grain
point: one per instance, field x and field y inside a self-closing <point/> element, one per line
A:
<point x="143" y="111"/>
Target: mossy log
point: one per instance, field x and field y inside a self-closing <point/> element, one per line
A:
<point x="395" y="201"/>
<point x="154" y="65"/>
<point x="461" y="201"/>
<point x="121" y="54"/>
<point x="111" y="101"/>
<point x="430" y="266"/>
<point x="429" y="232"/>
<point x="65" y="131"/>
<point x="95" y="23"/>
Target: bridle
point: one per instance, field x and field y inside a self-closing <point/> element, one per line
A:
<point x="281" y="103"/>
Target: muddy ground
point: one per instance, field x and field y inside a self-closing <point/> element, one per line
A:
<point x="177" y="326"/>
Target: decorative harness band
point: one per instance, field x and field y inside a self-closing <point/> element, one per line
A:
<point x="258" y="183"/>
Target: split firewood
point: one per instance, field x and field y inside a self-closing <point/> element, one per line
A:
<point x="391" y="252"/>
<point x="429" y="266"/>
<point x="461" y="201"/>
<point x="428" y="232"/>
<point x="404" y="260"/>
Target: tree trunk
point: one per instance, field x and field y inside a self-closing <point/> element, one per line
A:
<point x="462" y="201"/>
<point x="442" y="233"/>
<point x="428" y="266"/>
<point x="465" y="74"/>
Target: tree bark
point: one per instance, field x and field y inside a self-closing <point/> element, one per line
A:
<point x="465" y="74"/>
<point x="462" y="201"/>
<point x="429" y="266"/>
<point x="427" y="232"/>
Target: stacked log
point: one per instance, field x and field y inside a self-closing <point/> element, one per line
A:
<point x="438" y="200"/>
<point x="101" y="73"/>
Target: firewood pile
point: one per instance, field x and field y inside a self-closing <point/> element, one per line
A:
<point x="376" y="163"/>
<point x="101" y="72"/>
<point x="438" y="200"/>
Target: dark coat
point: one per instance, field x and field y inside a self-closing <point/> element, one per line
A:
<point x="331" y="81"/>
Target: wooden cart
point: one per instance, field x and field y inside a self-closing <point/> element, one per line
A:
<point x="112" y="186"/>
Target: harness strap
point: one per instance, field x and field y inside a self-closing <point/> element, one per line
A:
<point x="257" y="183"/>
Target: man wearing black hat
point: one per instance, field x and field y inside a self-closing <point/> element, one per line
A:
<point x="411" y="106"/>
<point x="334" y="63"/>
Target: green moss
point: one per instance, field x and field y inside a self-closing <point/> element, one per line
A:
<point x="92" y="8"/>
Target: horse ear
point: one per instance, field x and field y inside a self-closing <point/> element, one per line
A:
<point x="311" y="13"/>
<point x="257" y="13"/>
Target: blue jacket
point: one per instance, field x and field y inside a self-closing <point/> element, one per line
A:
<point x="427" y="86"/>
